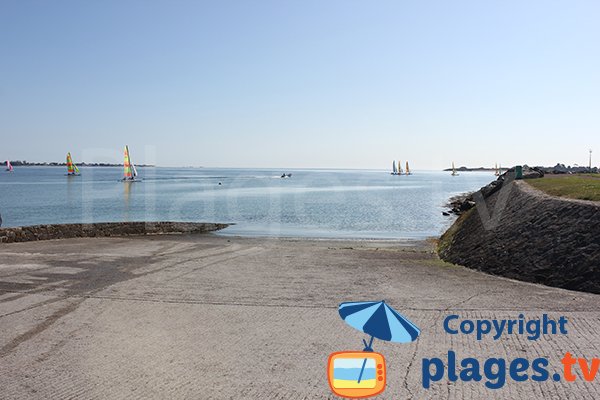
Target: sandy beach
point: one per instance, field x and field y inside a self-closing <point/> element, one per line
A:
<point x="214" y="317"/>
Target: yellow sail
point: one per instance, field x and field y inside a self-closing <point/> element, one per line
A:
<point x="407" y="169"/>
<point x="128" y="175"/>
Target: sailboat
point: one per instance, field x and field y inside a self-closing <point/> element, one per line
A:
<point x="72" y="169"/>
<point x="454" y="173"/>
<point x="496" y="170"/>
<point x="400" y="172"/>
<point x="408" y="169"/>
<point x="9" y="167"/>
<point x="394" y="169"/>
<point x="129" y="171"/>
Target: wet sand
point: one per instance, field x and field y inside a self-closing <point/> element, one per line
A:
<point x="214" y="317"/>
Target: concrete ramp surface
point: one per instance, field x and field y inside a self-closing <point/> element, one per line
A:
<point x="211" y="317"/>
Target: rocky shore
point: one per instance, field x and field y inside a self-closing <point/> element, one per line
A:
<point x="509" y="228"/>
<point x="464" y="202"/>
<point x="102" y="229"/>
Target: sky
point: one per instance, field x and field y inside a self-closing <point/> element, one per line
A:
<point x="301" y="84"/>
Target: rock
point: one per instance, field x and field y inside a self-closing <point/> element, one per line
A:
<point x="46" y="232"/>
<point x="532" y="173"/>
<point x="467" y="205"/>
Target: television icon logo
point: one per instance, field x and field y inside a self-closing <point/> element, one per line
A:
<point x="356" y="374"/>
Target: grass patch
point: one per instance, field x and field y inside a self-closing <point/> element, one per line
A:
<point x="446" y="239"/>
<point x="581" y="186"/>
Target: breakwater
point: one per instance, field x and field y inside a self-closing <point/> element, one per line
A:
<point x="102" y="229"/>
<point x="519" y="232"/>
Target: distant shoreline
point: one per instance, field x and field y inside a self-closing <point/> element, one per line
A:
<point x="467" y="169"/>
<point x="557" y="169"/>
<point x="56" y="164"/>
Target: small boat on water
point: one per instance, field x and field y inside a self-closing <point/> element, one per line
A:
<point x="72" y="169"/>
<point x="129" y="171"/>
<point x="408" y="169"/>
<point x="454" y="173"/>
<point x="496" y="170"/>
<point x="286" y="175"/>
<point x="9" y="167"/>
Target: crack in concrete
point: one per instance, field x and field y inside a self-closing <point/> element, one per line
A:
<point x="466" y="300"/>
<point x="408" y="368"/>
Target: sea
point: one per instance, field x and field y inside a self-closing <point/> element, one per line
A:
<point x="312" y="203"/>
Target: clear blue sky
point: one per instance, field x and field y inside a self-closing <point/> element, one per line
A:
<point x="301" y="83"/>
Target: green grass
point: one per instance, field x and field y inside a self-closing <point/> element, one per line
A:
<point x="446" y="239"/>
<point x="582" y="186"/>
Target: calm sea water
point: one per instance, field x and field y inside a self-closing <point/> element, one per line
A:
<point x="312" y="203"/>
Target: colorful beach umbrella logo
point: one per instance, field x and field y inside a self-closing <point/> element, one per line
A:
<point x="360" y="374"/>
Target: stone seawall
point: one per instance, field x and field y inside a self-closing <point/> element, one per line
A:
<point x="522" y="233"/>
<point x="102" y="229"/>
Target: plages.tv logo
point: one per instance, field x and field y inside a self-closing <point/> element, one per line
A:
<point x="360" y="374"/>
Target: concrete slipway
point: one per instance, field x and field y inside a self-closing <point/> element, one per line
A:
<point x="212" y="317"/>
